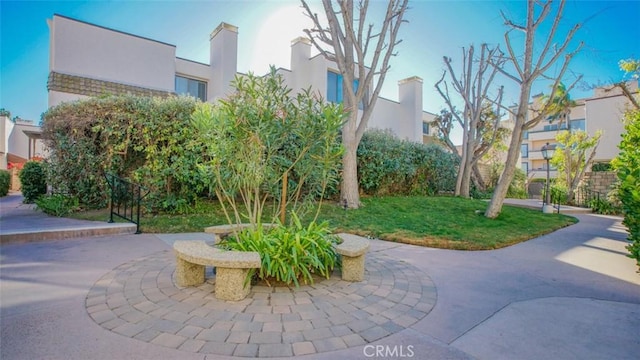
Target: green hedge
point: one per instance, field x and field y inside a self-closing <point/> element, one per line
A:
<point x="5" y="181"/>
<point x="33" y="181"/>
<point x="627" y="165"/>
<point x="149" y="140"/>
<point x="388" y="165"/>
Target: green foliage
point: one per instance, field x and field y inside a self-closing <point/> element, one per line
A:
<point x="388" y="165"/>
<point x="146" y="139"/>
<point x="289" y="254"/>
<point x="5" y="182"/>
<point x="604" y="206"/>
<point x="4" y="112"/>
<point x="573" y="155"/>
<point x="559" y="192"/>
<point x="33" y="181"/>
<point x="601" y="167"/>
<point x="262" y="135"/>
<point x="627" y="165"/>
<point x="630" y="66"/>
<point x="57" y="204"/>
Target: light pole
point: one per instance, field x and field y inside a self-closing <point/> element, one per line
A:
<point x="547" y="153"/>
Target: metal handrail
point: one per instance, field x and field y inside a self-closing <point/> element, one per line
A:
<point x="125" y="196"/>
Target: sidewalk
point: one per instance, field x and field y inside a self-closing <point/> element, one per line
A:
<point x="572" y="294"/>
<point x="22" y="223"/>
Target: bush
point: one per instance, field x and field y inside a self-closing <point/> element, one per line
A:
<point x="5" y="181"/>
<point x="33" y="181"/>
<point x="390" y="166"/>
<point x="601" y="167"/>
<point x="289" y="254"/>
<point x="57" y="204"/>
<point x="148" y="140"/>
<point x="627" y="165"/>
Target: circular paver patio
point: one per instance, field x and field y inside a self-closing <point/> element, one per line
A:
<point x="139" y="299"/>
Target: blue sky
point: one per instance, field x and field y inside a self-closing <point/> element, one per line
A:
<point x="435" y="29"/>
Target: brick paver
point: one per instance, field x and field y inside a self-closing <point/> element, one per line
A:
<point x="140" y="300"/>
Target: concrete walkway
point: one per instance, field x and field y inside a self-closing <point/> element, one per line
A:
<point x="572" y="294"/>
<point x="22" y="223"/>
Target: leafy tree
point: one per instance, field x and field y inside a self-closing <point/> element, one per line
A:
<point x="361" y="53"/>
<point x="530" y="66"/>
<point x="262" y="144"/>
<point x="574" y="153"/>
<point x="559" y="105"/>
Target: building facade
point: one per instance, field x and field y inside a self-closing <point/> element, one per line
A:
<point x="89" y="60"/>
<point x="20" y="141"/>
<point x="604" y="111"/>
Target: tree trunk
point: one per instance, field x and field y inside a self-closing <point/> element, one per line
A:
<point x="500" y="192"/>
<point x="349" y="188"/>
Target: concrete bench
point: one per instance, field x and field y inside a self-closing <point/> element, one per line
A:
<point x="232" y="268"/>
<point x="353" y="249"/>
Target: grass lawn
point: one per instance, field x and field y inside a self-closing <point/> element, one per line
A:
<point x="443" y="222"/>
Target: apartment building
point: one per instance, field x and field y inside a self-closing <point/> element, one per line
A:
<point x="90" y="60"/>
<point x="604" y="111"/>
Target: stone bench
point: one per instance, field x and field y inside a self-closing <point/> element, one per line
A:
<point x="232" y="268"/>
<point x="352" y="249"/>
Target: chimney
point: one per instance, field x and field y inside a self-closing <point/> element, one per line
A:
<point x="223" y="60"/>
<point x="300" y="54"/>
<point x="410" y="97"/>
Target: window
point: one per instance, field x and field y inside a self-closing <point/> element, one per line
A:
<point x="425" y="128"/>
<point x="334" y="88"/>
<point x="525" y="167"/>
<point x="525" y="135"/>
<point x="555" y="127"/>
<point x="578" y="124"/>
<point x="195" y="88"/>
<point x="524" y="150"/>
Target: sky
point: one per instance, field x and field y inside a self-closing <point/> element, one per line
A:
<point x="610" y="32"/>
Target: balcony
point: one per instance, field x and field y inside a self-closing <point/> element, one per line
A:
<point x="534" y="155"/>
<point x="549" y="136"/>
<point x="541" y="174"/>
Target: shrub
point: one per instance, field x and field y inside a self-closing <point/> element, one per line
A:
<point x="5" y="181"/>
<point x="149" y="140"/>
<point x="627" y="165"/>
<point x="289" y="254"/>
<point x="33" y="181"/>
<point x="390" y="166"/>
<point x="601" y="167"/>
<point x="57" y="204"/>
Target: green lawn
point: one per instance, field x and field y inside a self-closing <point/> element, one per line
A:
<point x="443" y="222"/>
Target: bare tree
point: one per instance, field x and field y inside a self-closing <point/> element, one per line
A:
<point x="362" y="53"/>
<point x="472" y="85"/>
<point x="529" y="67"/>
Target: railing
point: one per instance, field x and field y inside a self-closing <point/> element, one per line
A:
<point x="125" y="199"/>
<point x="584" y="197"/>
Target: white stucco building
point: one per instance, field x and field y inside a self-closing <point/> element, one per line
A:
<point x="603" y="111"/>
<point x="89" y="60"/>
<point x="19" y="141"/>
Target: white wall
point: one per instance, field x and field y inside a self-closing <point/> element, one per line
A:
<point x="82" y="49"/>
<point x="6" y="127"/>
<point x="192" y="69"/>
<point x="57" y="97"/>
<point x="19" y="141"/>
<point x="606" y="114"/>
